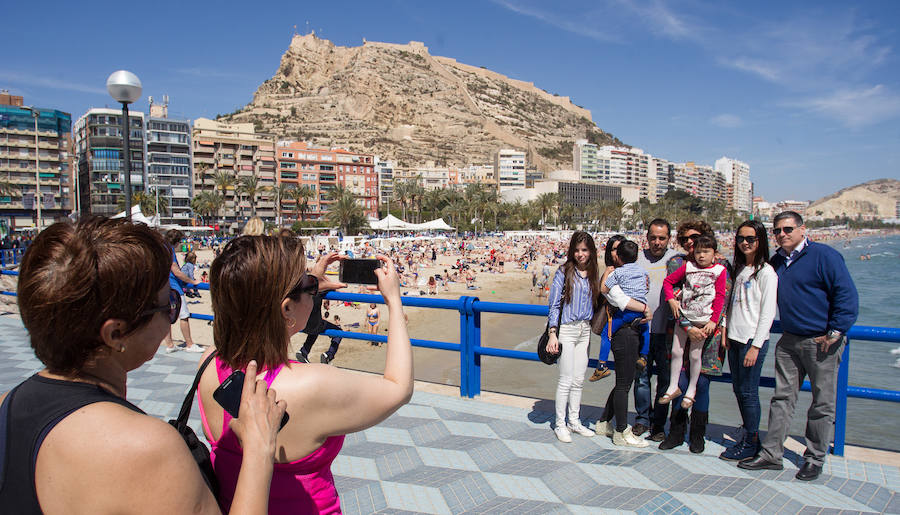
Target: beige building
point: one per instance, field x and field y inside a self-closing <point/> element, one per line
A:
<point x="238" y="152"/>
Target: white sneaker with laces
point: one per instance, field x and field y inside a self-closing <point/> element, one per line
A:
<point x="605" y="429"/>
<point x="580" y="429"/>
<point x="170" y="350"/>
<point x="626" y="438"/>
<point x="194" y="348"/>
<point x="563" y="434"/>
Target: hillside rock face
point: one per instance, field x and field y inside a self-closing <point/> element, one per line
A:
<point x="873" y="199"/>
<point x="402" y="103"/>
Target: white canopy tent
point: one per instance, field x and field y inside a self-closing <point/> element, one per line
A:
<point x="392" y="223"/>
<point x="138" y="217"/>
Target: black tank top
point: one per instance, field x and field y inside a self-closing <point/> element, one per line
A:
<point x="27" y="415"/>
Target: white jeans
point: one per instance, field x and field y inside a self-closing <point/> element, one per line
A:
<point x="574" y="338"/>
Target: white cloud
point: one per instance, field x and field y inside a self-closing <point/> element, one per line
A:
<point x="726" y="120"/>
<point x="566" y="23"/>
<point x="48" y="82"/>
<point x="856" y="108"/>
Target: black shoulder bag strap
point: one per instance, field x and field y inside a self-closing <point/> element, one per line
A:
<point x="4" y="429"/>
<point x="198" y="449"/>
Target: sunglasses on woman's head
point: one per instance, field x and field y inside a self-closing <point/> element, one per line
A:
<point x="787" y="230"/>
<point x="683" y="239"/>
<point x="173" y="307"/>
<point x="308" y="284"/>
<point x="741" y="239"/>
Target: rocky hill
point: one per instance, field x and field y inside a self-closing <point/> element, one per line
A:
<point x="873" y="199"/>
<point x="402" y="103"/>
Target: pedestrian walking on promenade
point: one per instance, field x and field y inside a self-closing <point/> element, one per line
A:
<point x="750" y="316"/>
<point x="818" y="304"/>
<point x="573" y="299"/>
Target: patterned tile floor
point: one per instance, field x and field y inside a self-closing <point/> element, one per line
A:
<point x="445" y="454"/>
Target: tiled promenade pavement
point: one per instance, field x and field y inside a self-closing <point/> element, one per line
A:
<point x="445" y="454"/>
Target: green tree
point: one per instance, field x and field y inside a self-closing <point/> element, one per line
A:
<point x="147" y="202"/>
<point x="345" y="212"/>
<point x="250" y="186"/>
<point x="206" y="204"/>
<point x="279" y="194"/>
<point x="301" y="197"/>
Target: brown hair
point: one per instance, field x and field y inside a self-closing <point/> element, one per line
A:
<point x="190" y="257"/>
<point x="174" y="236"/>
<point x="695" y="225"/>
<point x="593" y="275"/>
<point x="247" y="284"/>
<point x="76" y="276"/>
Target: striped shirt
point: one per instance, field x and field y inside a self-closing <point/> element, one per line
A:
<point x="580" y="306"/>
<point x="633" y="280"/>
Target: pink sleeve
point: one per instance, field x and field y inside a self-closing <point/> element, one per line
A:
<point x="674" y="278"/>
<point x="719" y="301"/>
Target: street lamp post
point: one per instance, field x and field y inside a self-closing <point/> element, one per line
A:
<point x="125" y="88"/>
<point x="37" y="165"/>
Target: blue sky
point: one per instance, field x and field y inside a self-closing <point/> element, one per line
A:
<point x="808" y="93"/>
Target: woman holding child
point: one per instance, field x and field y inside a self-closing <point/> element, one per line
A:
<point x="709" y="342"/>
<point x="750" y="317"/>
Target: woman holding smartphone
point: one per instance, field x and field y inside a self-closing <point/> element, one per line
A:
<point x="750" y="317"/>
<point x="262" y="295"/>
<point x="95" y="298"/>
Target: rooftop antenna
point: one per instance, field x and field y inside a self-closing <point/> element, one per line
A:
<point x="295" y="30"/>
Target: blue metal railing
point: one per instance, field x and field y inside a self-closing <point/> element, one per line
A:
<point x="10" y="257"/>
<point x="470" y="349"/>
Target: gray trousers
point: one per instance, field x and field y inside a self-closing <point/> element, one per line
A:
<point x="795" y="358"/>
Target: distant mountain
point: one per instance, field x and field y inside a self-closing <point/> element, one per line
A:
<point x="402" y="103"/>
<point x="873" y="199"/>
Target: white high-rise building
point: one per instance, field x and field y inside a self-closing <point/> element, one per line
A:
<point x="585" y="161"/>
<point x="737" y="174"/>
<point x="624" y="166"/>
<point x="510" y="169"/>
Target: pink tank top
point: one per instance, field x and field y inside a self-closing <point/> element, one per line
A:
<point x="302" y="486"/>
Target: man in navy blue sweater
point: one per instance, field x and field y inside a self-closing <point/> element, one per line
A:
<point x="818" y="303"/>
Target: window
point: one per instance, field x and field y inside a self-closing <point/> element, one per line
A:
<point x="326" y="168"/>
<point x="287" y="154"/>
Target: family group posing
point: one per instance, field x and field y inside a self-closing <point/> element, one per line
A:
<point x="685" y="313"/>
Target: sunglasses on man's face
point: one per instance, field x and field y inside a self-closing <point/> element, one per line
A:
<point x="787" y="230"/>
<point x="173" y="307"/>
<point x="741" y="239"/>
<point x="308" y="284"/>
<point x="684" y="239"/>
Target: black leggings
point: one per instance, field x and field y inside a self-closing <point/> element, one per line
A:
<point x="625" y="345"/>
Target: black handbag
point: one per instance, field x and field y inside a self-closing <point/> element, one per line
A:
<point x="543" y="354"/>
<point x="198" y="449"/>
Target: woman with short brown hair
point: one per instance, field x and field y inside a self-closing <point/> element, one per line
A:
<point x="95" y="299"/>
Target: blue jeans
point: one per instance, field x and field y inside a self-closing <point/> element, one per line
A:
<point x="745" y="382"/>
<point x="616" y="320"/>
<point x="701" y="398"/>
<point x="659" y="356"/>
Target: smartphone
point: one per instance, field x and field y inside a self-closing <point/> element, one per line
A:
<point x="359" y="271"/>
<point x="228" y="395"/>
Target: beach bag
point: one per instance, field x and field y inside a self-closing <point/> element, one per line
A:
<point x="198" y="449"/>
<point x="542" y="352"/>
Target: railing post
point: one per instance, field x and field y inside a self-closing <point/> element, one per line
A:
<point x="474" y="330"/>
<point x="3" y="258"/>
<point x="840" y="418"/>
<point x="465" y="347"/>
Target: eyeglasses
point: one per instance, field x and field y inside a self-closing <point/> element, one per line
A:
<point x="683" y="239"/>
<point x="787" y="230"/>
<point x="741" y="239"/>
<point x="173" y="307"/>
<point x="308" y="284"/>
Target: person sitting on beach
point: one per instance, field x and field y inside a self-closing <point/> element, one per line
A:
<point x="432" y="286"/>
<point x="702" y="300"/>
<point x="190" y="263"/>
<point x="261" y="296"/>
<point x="635" y="283"/>
<point x="73" y="443"/>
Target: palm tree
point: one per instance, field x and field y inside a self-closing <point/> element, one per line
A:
<point x="546" y="202"/>
<point x="207" y="203"/>
<point x="279" y="193"/>
<point x="416" y="192"/>
<point x="346" y="212"/>
<point x="201" y="170"/>
<point x="301" y="197"/>
<point x="250" y="186"/>
<point x="401" y="195"/>
<point x="433" y="201"/>
<point x="146" y="201"/>
<point x="223" y="180"/>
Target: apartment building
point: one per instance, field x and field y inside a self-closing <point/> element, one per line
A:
<point x="509" y="169"/>
<point x="321" y="169"/>
<point x="170" y="164"/>
<point x="243" y="156"/>
<point x="737" y="174"/>
<point x="625" y="166"/>
<point x="99" y="161"/>
<point x="711" y="184"/>
<point x="585" y="160"/>
<point x="384" y="169"/>
<point x="663" y="174"/>
<point x="430" y="177"/>
<point x="478" y="174"/>
<point x="32" y="159"/>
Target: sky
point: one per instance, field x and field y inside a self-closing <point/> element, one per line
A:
<point x="807" y="93"/>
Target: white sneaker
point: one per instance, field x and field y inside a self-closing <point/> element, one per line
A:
<point x="605" y="429"/>
<point x="580" y="429"/>
<point x="627" y="439"/>
<point x="563" y="434"/>
<point x="174" y="348"/>
<point x="194" y="348"/>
